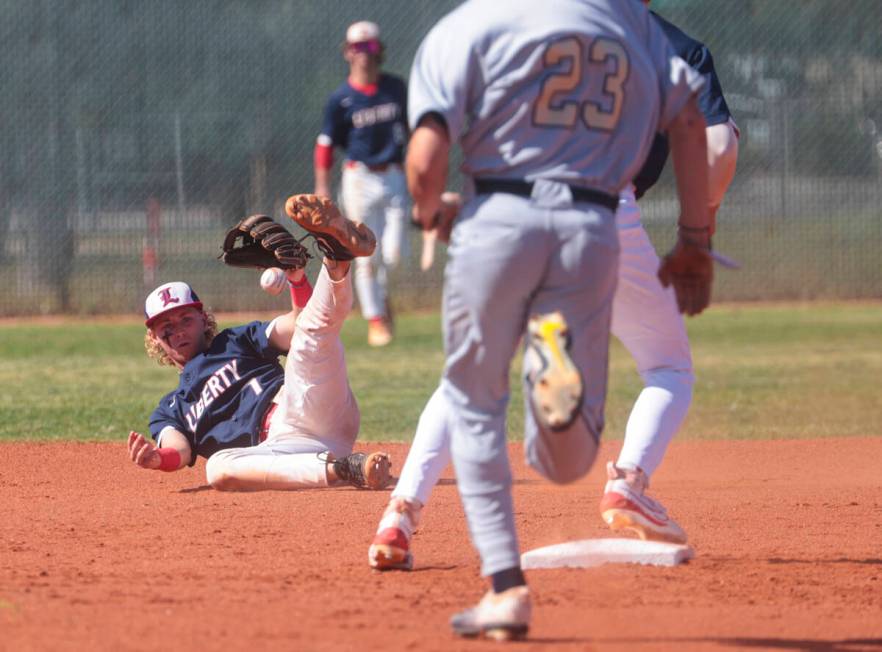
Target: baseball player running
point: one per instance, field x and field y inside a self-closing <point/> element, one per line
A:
<point x="262" y="426"/>
<point x="366" y="116"/>
<point x="644" y="317"/>
<point x="555" y="107"/>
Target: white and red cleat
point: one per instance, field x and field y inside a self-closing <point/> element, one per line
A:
<point x="625" y="506"/>
<point x="390" y="549"/>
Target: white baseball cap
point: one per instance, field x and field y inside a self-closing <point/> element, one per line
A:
<point x="168" y="297"/>
<point x="363" y="30"/>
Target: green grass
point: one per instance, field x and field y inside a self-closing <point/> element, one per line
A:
<point x="764" y="371"/>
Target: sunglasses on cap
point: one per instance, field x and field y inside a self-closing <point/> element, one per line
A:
<point x="370" y="47"/>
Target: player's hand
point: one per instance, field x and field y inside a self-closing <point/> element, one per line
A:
<point x="690" y="269"/>
<point x="143" y="452"/>
<point x="451" y="204"/>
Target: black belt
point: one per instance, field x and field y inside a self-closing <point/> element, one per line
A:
<point x="525" y="189"/>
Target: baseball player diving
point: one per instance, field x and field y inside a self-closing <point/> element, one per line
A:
<point x="644" y="317"/>
<point x="260" y="425"/>
<point x="367" y="117"/>
<point x="555" y="107"/>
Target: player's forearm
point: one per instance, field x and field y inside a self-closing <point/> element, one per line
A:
<point x="172" y="439"/>
<point x="688" y="142"/>
<point x="427" y="156"/>
<point x="283" y="329"/>
<point x="722" y="157"/>
<point x="323" y="182"/>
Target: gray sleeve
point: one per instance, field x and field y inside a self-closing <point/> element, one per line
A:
<point x="440" y="78"/>
<point x="677" y="80"/>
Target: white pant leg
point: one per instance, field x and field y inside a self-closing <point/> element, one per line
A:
<point x="362" y="196"/>
<point x="429" y="453"/>
<point x="316" y="401"/>
<point x="646" y="320"/>
<point x="264" y="467"/>
<point x="316" y="412"/>
<point x="395" y="244"/>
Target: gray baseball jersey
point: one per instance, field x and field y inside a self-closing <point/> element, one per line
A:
<point x="562" y="92"/>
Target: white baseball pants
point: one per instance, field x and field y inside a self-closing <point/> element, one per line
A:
<point x="316" y="413"/>
<point x="379" y="200"/>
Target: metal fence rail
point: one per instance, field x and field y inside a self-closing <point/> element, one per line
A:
<point x="134" y="133"/>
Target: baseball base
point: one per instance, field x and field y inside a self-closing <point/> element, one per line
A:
<point x="596" y="552"/>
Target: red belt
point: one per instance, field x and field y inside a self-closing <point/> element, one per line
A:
<point x="267" y="417"/>
<point x="382" y="167"/>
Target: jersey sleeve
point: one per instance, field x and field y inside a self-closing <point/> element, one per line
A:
<point x="710" y="98"/>
<point x="440" y="78"/>
<point x="254" y="337"/>
<point x="167" y="416"/>
<point x="677" y="80"/>
<point x="333" y="133"/>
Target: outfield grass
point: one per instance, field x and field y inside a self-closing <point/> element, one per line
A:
<point x="764" y="371"/>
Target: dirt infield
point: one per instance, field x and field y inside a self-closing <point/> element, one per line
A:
<point x="100" y="555"/>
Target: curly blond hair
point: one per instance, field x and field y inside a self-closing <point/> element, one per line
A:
<point x="154" y="348"/>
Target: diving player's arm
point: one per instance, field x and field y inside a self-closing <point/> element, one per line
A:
<point x="284" y="325"/>
<point x="174" y="454"/>
<point x="722" y="157"/>
<point x="428" y="153"/>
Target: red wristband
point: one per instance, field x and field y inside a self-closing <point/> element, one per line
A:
<point x="170" y="459"/>
<point x="323" y="156"/>
<point x="300" y="292"/>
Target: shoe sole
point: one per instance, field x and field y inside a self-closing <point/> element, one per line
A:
<point x="377" y="471"/>
<point x="627" y="520"/>
<point x="319" y="216"/>
<point x="557" y="391"/>
<point x="383" y="557"/>
<point x="495" y="632"/>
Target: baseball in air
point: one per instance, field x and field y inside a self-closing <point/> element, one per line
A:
<point x="273" y="280"/>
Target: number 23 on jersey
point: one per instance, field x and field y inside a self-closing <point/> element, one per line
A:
<point x="555" y="107"/>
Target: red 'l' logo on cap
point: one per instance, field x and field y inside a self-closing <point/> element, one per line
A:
<point x="167" y="298"/>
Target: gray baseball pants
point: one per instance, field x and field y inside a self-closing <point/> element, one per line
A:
<point x="511" y="257"/>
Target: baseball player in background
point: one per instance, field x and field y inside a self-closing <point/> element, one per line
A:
<point x="644" y="318"/>
<point x="367" y="117"/>
<point x="262" y="426"/>
<point x="555" y="108"/>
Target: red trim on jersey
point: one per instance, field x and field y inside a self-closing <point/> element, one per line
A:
<point x="170" y="459"/>
<point x="323" y="156"/>
<point x="265" y="423"/>
<point x="367" y="89"/>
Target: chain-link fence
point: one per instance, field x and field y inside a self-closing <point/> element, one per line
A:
<point x="135" y="132"/>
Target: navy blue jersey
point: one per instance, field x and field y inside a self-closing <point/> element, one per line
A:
<point x="710" y="100"/>
<point x="370" y="126"/>
<point x="224" y="391"/>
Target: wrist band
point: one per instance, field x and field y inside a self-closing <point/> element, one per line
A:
<point x="170" y="459"/>
<point x="300" y="292"/>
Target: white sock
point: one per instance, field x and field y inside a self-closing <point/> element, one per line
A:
<point x="429" y="453"/>
<point x="657" y="415"/>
